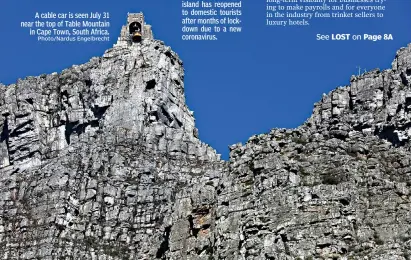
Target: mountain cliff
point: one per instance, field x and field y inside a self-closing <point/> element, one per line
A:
<point x="103" y="161"/>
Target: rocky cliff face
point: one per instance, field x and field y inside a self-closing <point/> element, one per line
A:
<point x="338" y="187"/>
<point x="103" y="161"/>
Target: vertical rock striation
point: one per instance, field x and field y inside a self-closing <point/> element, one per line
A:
<point x="103" y="161"/>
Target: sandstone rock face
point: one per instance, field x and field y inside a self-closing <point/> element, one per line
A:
<point x="103" y="161"/>
<point x="338" y="187"/>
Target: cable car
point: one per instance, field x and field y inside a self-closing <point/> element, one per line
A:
<point x="135" y="31"/>
<point x="136" y="37"/>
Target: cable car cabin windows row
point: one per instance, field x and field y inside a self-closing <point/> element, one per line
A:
<point x="135" y="27"/>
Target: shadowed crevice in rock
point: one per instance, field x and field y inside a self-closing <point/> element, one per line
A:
<point x="99" y="111"/>
<point x="164" y="246"/>
<point x="69" y="130"/>
<point x="407" y="104"/>
<point x="151" y="84"/>
<point x="79" y="129"/>
<point x="65" y="97"/>
<point x="4" y="136"/>
<point x="194" y="231"/>
<point x="389" y="133"/>
<point x="169" y="55"/>
<point x="404" y="79"/>
<point x="22" y="128"/>
<point x="30" y="101"/>
<point x="88" y="82"/>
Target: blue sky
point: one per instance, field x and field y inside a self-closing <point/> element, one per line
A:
<point x="242" y="84"/>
